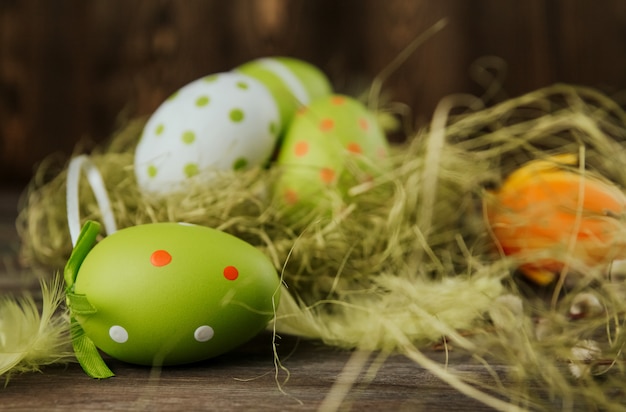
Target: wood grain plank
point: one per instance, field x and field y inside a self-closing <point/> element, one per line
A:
<point x="241" y="380"/>
<point x="71" y="69"/>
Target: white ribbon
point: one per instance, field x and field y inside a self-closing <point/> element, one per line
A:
<point x="292" y="81"/>
<point x="77" y="165"/>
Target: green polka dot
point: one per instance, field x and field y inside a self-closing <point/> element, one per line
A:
<point x="273" y="128"/>
<point x="210" y="78"/>
<point x="188" y="137"/>
<point x="191" y="169"/>
<point x="242" y="85"/>
<point x="202" y="101"/>
<point x="236" y="115"/>
<point x="173" y="95"/>
<point x="240" y="163"/>
<point x="159" y="129"/>
<point x="152" y="171"/>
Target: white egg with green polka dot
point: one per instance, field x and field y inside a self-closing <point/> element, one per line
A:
<point x="227" y="121"/>
<point x="224" y="121"/>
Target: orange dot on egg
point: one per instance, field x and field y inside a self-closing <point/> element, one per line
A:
<point x="327" y="175"/>
<point x="354" y="148"/>
<point x="301" y="148"/>
<point x="160" y="258"/>
<point x="327" y="124"/>
<point x="364" y="124"/>
<point x="291" y="197"/>
<point x="338" y="100"/>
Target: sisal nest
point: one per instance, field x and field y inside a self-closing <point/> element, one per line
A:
<point x="407" y="260"/>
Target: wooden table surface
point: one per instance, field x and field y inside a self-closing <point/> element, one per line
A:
<point x="242" y="380"/>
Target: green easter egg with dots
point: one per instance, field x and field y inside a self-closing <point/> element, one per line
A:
<point x="169" y="293"/>
<point x="293" y="83"/>
<point x="331" y="145"/>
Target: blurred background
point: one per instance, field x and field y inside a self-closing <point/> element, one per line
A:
<point x="74" y="70"/>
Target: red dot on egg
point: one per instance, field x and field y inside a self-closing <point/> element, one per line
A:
<point x="160" y="258"/>
<point x="231" y="273"/>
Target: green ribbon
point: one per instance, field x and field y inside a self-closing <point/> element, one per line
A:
<point x="86" y="352"/>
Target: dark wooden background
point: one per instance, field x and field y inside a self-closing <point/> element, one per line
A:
<point x="71" y="69"/>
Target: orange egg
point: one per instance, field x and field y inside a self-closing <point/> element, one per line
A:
<point x="551" y="218"/>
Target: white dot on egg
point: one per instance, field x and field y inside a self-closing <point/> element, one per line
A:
<point x="186" y="224"/>
<point x="203" y="333"/>
<point x="118" y="334"/>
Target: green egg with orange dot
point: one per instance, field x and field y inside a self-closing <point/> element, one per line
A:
<point x="170" y="293"/>
<point x="293" y="83"/>
<point x="331" y="145"/>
